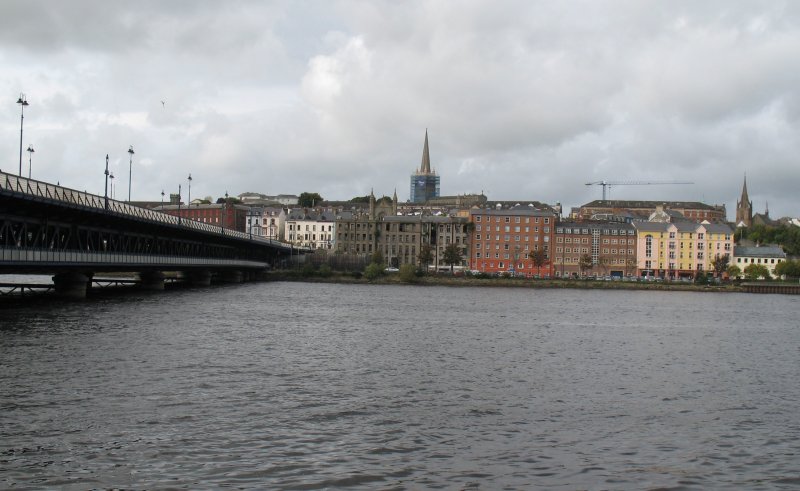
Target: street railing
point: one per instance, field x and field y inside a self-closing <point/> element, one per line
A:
<point x="31" y="187"/>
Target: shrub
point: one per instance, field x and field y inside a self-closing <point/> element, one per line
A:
<point x="324" y="270"/>
<point x="408" y="273"/>
<point x="373" y="271"/>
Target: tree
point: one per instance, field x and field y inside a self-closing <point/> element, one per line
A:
<point x="309" y="200"/>
<point x="720" y="263"/>
<point x="733" y="271"/>
<point x="788" y="269"/>
<point x="377" y="257"/>
<point x="373" y="271"/>
<point x="425" y="256"/>
<point x="756" y="271"/>
<point x="230" y="200"/>
<point x="452" y="255"/>
<point x="538" y="260"/>
<point x="360" y="199"/>
<point x="585" y="263"/>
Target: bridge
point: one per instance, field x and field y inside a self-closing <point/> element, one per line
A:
<point x="51" y="229"/>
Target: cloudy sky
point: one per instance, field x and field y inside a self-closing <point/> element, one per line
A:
<point x="522" y="100"/>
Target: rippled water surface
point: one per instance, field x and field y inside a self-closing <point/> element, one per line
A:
<point x="308" y="386"/>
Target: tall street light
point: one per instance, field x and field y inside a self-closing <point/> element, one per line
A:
<point x="224" y="205"/>
<point x="130" y="171"/>
<point x="179" y="204"/>
<point x="22" y="101"/>
<point x="111" y="176"/>
<point x="162" y="199"/>
<point x="106" y="191"/>
<point x="30" y="159"/>
<point x="189" y="199"/>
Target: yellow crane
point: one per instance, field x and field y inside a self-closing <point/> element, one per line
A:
<point x="608" y="184"/>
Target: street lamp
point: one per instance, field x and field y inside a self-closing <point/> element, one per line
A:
<point x="22" y="101"/>
<point x="130" y="171"/>
<point x="179" y="204"/>
<point x="106" y="191"/>
<point x="30" y="159"/>
<point x="162" y="199"/>
<point x="189" y="199"/>
<point x="111" y="176"/>
<point x="224" y="205"/>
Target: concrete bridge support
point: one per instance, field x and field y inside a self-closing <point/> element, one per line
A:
<point x="231" y="276"/>
<point x="151" y="280"/>
<point x="199" y="278"/>
<point x="71" y="285"/>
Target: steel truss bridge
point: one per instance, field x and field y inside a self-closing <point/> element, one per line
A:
<point x="50" y="229"/>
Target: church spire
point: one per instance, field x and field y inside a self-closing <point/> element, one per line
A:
<point x="425" y="166"/>
<point x="745" y="198"/>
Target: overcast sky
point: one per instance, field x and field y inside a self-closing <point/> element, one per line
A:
<point x="522" y="100"/>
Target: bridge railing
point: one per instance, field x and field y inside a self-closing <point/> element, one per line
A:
<point x="44" y="256"/>
<point x="32" y="187"/>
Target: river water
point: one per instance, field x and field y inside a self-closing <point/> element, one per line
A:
<point x="311" y="386"/>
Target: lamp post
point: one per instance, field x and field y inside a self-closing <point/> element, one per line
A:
<point x="111" y="176"/>
<point x="224" y="205"/>
<point x="130" y="171"/>
<point x="106" y="191"/>
<point x="22" y="101"/>
<point x="162" y="199"/>
<point x="189" y="199"/>
<point x="30" y="159"/>
<point x="179" y="204"/>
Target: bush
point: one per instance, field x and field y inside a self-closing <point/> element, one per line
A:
<point x="308" y="269"/>
<point x="373" y="271"/>
<point x="324" y="270"/>
<point x="408" y="273"/>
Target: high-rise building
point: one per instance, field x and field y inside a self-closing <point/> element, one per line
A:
<point x="424" y="181"/>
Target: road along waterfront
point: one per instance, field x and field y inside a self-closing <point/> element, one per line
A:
<point x="306" y="386"/>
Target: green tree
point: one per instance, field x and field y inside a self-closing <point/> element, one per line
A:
<point x="788" y="269"/>
<point x="720" y="263"/>
<point x="373" y="271"/>
<point x="377" y="258"/>
<point x="425" y="256"/>
<point x="452" y="256"/>
<point x="733" y="271"/>
<point x="538" y="260"/>
<point x="585" y="263"/>
<point x="309" y="200"/>
<point x="360" y="199"/>
<point x="756" y="271"/>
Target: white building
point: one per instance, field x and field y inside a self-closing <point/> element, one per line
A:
<point x="769" y="256"/>
<point x="310" y="228"/>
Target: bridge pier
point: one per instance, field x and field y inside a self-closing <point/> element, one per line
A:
<point x="199" y="278"/>
<point x="231" y="276"/>
<point x="71" y="285"/>
<point x="151" y="280"/>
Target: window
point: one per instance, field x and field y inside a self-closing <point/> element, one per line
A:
<point x="508" y="219"/>
<point x="477" y="236"/>
<point x="478" y="218"/>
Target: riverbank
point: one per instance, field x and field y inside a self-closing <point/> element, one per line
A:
<point x="447" y="280"/>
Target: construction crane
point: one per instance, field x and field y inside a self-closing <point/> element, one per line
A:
<point x="608" y="184"/>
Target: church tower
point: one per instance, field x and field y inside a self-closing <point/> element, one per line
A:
<point x="424" y="181"/>
<point x="744" y="208"/>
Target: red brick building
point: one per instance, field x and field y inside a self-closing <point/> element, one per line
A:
<point x="228" y="216"/>
<point x="611" y="247"/>
<point x="507" y="240"/>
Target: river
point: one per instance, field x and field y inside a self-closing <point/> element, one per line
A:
<point x="311" y="386"/>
